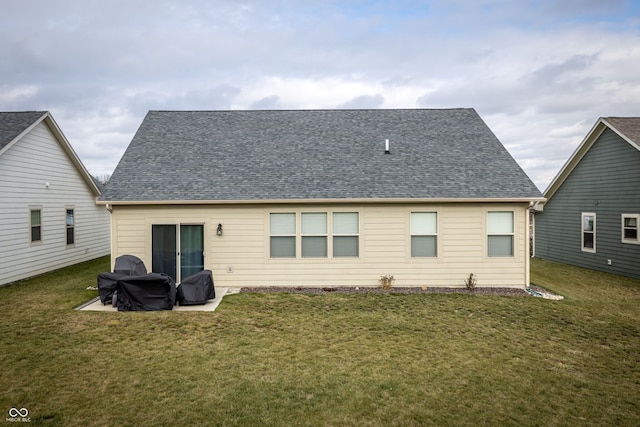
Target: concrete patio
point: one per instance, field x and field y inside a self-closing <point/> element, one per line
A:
<point x="211" y="305"/>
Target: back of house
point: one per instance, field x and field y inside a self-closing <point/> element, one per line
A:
<point x="48" y="213"/>
<point x="323" y="198"/>
<point x="592" y="213"/>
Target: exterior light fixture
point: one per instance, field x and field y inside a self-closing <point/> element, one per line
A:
<point x="219" y="230"/>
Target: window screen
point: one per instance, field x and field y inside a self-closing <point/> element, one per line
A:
<point x="282" y="228"/>
<point x="500" y="234"/>
<point x="346" y="231"/>
<point x="314" y="234"/>
<point x="424" y="234"/>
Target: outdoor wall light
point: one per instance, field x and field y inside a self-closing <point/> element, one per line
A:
<point x="219" y="230"/>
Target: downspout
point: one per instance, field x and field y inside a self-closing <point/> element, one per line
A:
<point x="112" y="238"/>
<point x="527" y="258"/>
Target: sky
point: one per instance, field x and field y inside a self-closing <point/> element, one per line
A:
<point x="540" y="73"/>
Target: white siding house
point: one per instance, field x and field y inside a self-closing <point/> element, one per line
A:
<point x="49" y="218"/>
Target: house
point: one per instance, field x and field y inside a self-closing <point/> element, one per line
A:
<point x="592" y="212"/>
<point x="323" y="198"/>
<point x="48" y="213"/>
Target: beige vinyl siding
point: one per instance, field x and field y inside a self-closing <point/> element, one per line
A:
<point x="25" y="168"/>
<point x="240" y="257"/>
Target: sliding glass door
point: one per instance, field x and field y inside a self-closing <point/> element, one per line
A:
<point x="163" y="248"/>
<point x="191" y="250"/>
<point x="174" y="252"/>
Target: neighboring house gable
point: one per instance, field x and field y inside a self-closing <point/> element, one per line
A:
<point x="591" y="215"/>
<point x="313" y="198"/>
<point x="48" y="215"/>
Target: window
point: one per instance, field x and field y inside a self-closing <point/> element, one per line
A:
<point x="630" y="228"/>
<point x="424" y="234"/>
<point x="314" y="234"/>
<point x="345" y="234"/>
<point x="70" y="227"/>
<point x="36" y="225"/>
<point x="500" y="234"/>
<point x="588" y="232"/>
<point x="282" y="230"/>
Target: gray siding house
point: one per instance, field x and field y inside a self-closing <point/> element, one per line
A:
<point x="49" y="218"/>
<point x="323" y="198"/>
<point x="592" y="213"/>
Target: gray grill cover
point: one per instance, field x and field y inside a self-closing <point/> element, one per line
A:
<point x="196" y="289"/>
<point x="107" y="283"/>
<point x="130" y="265"/>
<point x="154" y="291"/>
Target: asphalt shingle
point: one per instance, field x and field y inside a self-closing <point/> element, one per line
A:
<point x="628" y="126"/>
<point x="316" y="154"/>
<point x="14" y="123"/>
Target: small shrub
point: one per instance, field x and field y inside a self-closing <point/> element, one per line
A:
<point x="470" y="282"/>
<point x="386" y="281"/>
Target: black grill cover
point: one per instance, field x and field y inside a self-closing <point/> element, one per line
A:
<point x="196" y="289"/>
<point x="130" y="265"/>
<point x="107" y="285"/>
<point x="154" y="291"/>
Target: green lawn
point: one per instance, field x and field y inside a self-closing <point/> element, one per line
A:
<point x="331" y="359"/>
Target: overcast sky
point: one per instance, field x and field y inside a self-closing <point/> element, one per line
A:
<point x="540" y="73"/>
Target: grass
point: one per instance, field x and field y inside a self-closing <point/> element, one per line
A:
<point x="331" y="359"/>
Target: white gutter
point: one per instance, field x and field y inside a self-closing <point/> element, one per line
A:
<point x="529" y="200"/>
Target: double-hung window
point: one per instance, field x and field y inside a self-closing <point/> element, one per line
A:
<point x="282" y="232"/>
<point x="71" y="237"/>
<point x="319" y="234"/>
<point x="314" y="234"/>
<point x="424" y="234"/>
<point x="588" y="232"/>
<point x="36" y="225"/>
<point x="346" y="231"/>
<point x="500" y="232"/>
<point x="630" y="224"/>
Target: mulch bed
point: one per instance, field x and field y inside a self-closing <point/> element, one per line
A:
<point x="512" y="292"/>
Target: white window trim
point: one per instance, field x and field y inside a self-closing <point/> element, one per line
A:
<point x="298" y="235"/>
<point x="297" y="242"/>
<point x="635" y="241"/>
<point x="66" y="226"/>
<point x="333" y="234"/>
<point x="436" y="235"/>
<point x="31" y="241"/>
<point x="325" y="235"/>
<point x="595" y="229"/>
<point x="512" y="234"/>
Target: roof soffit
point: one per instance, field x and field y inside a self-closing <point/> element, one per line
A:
<point x="47" y="118"/>
<point x="575" y="158"/>
<point x="68" y="149"/>
<point x="628" y="128"/>
<point x="601" y="125"/>
<point x="24" y="132"/>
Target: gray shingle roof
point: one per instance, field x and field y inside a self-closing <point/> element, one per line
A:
<point x="13" y="124"/>
<point x="315" y="154"/>
<point x="628" y="126"/>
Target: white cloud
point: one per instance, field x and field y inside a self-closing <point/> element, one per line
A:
<point x="17" y="95"/>
<point x="364" y="101"/>
<point x="539" y="73"/>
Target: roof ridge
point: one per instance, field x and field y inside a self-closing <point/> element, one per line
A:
<point x="25" y="111"/>
<point x="313" y="110"/>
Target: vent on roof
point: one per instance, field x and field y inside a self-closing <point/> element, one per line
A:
<point x="386" y="147"/>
